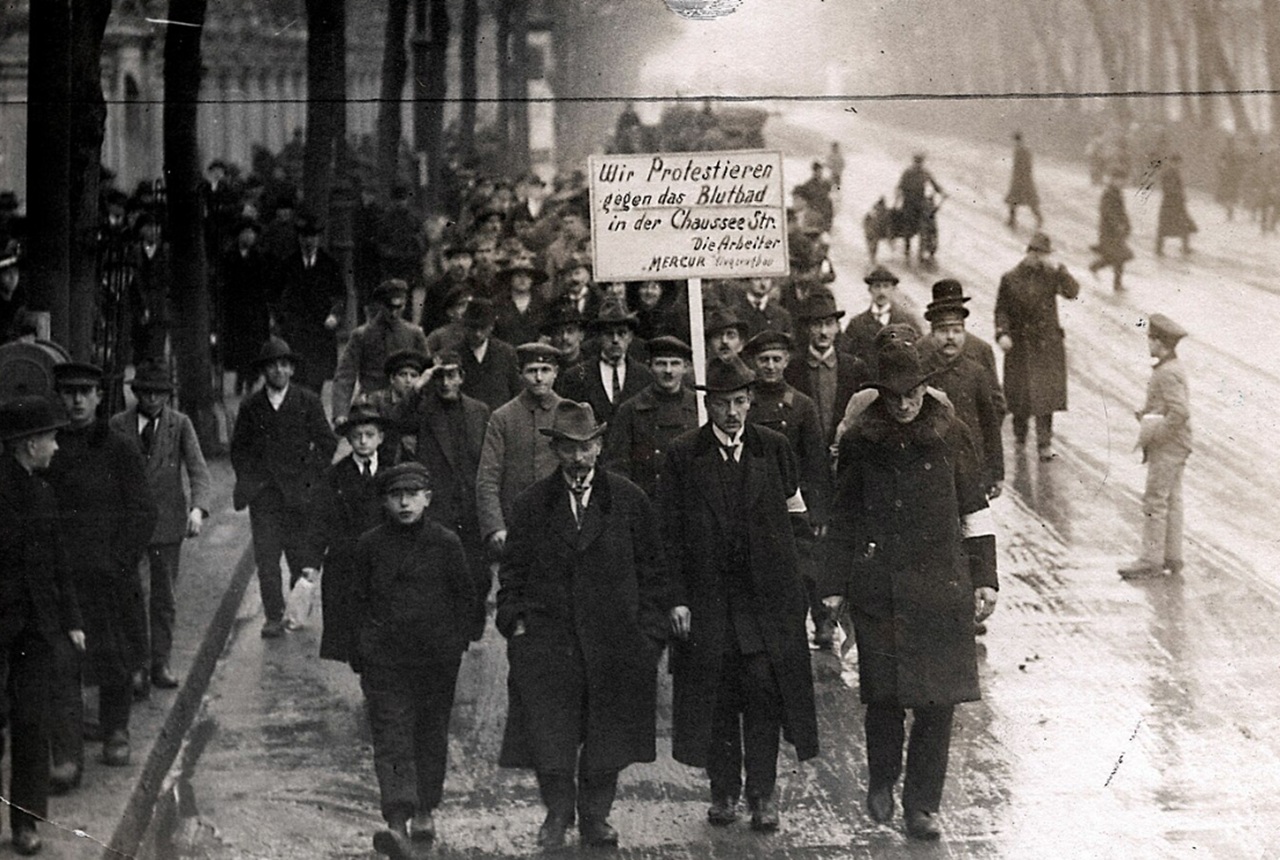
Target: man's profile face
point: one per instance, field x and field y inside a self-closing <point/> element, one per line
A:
<point x="771" y="365"/>
<point x="905" y="407"/>
<point x="728" y="409"/>
<point x="822" y="333"/>
<point x="949" y="334"/>
<point x="539" y="376"/>
<point x="668" y="372"/>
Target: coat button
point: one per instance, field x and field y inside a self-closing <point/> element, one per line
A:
<point x="897" y="503"/>
<point x="928" y="466"/>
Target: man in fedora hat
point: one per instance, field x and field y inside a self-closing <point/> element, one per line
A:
<point x="583" y="603"/>
<point x="616" y="377"/>
<point x="825" y="374"/>
<point x="280" y="448"/>
<point x="1027" y="329"/>
<point x="1165" y="439"/>
<point x="108" y="518"/>
<point x="967" y="385"/>
<point x="756" y="303"/>
<point x="311" y="305"/>
<point x="519" y="310"/>
<point x="644" y="426"/>
<point x="859" y="335"/>
<point x="515" y="454"/>
<point x="411" y="606"/>
<point x="731" y="507"/>
<point x="725" y="332"/>
<point x="565" y="329"/>
<point x="39" y="612"/>
<point x="491" y="373"/>
<point x="360" y="369"/>
<point x="913" y="553"/>
<point x="170" y="448"/>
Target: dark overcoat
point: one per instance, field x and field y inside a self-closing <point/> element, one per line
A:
<point x="1174" y="218"/>
<point x="695" y="528"/>
<point x="245" y="317"/>
<point x="642" y="430"/>
<point x="584" y="384"/>
<point x="795" y="416"/>
<point x="851" y="372"/>
<point x="307" y="298"/>
<point x="896" y="552"/>
<point x="1035" y="368"/>
<point x="602" y="592"/>
<point x="859" y="336"/>
<point x="965" y="382"/>
<point x="1022" y="185"/>
<point x="495" y="380"/>
<point x="1113" y="229"/>
<point x="288" y="449"/>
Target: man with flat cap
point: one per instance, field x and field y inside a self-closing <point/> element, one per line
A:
<point x="616" y="377"/>
<point x="108" y="518"/>
<point x="170" y="448"/>
<point x="1164" y="435"/>
<point x="913" y="553"/>
<point x="311" y="304"/>
<point x="280" y="449"/>
<point x="412" y="601"/>
<point x="515" y="454"/>
<point x="38" y="608"/>
<point x="583" y="602"/>
<point x="644" y="426"/>
<point x="402" y="368"/>
<point x="361" y="369"/>
<point x="858" y="337"/>
<point x="491" y="372"/>
<point x="1027" y="329"/>
<point x="825" y="373"/>
<point x="731" y="508"/>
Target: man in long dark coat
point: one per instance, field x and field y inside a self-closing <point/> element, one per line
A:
<point x="1112" y="248"/>
<point x="1027" y="329"/>
<point x="913" y="551"/>
<point x="1174" y="219"/>
<point x="730" y="509"/>
<point x="1022" y="185"/>
<point x="823" y="372"/>
<point x="244" y="315"/>
<point x="38" y="608"/>
<point x="583" y="603"/>
<point x="310" y="307"/>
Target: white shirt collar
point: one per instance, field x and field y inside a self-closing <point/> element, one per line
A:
<point x="143" y="421"/>
<point x="275" y="398"/>
<point x="586" y="495"/>
<point x="726" y="440"/>
<point x="606" y="376"/>
<point x="372" y="461"/>
<point x="481" y="351"/>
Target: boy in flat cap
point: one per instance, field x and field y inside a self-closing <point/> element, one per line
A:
<point x="1165" y="439"/>
<point x="412" y="601"/>
<point x="361" y="367"/>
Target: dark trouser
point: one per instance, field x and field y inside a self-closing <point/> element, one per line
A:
<point x="409" y="708"/>
<point x="748" y="717"/>
<point x="592" y="794"/>
<point x="162" y="559"/>
<point x="277" y="528"/>
<point x="1044" y="428"/>
<point x="25" y="669"/>
<point x="927" y="752"/>
<point x="66" y="704"/>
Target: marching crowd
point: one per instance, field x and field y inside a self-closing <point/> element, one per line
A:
<point x="501" y="411"/>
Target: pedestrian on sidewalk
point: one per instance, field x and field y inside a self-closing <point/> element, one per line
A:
<point x="1027" y="329"/>
<point x="38" y="608"/>
<point x="583" y="602"/>
<point x="1174" y="219"/>
<point x="108" y="518"/>
<point x="412" y="604"/>
<point x="280" y="449"/>
<point x="1165" y="439"/>
<point x="169" y="448"/>
<point x="1022" y="185"/>
<point x="1112" y="248"/>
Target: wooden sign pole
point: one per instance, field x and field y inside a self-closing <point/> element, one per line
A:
<point x="698" y="341"/>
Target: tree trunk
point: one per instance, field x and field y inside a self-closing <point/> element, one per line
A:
<point x="1107" y="57"/>
<point x="1271" y="24"/>
<point x="88" y="127"/>
<point x="519" y="87"/>
<point x="1156" y="77"/>
<point x="502" y="15"/>
<point x="48" y="155"/>
<point x="437" y="90"/>
<point x="1182" y="62"/>
<point x="467" y="70"/>
<point x="190" y="273"/>
<point x="1215" y="68"/>
<point x="395" y="67"/>
<point x="1054" y="72"/>
<point x="326" y="101"/>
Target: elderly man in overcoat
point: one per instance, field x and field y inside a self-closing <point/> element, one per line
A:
<point x="1027" y="329"/>
<point x="730" y="511"/>
<point x="583" y="603"/>
<point x="913" y="551"/>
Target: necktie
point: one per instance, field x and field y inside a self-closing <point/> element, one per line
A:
<point x="617" y="386"/>
<point x="730" y="452"/>
<point x="364" y="468"/>
<point x="576" y="495"/>
<point x="148" y="435"/>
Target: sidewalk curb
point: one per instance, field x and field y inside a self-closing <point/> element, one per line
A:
<point x="141" y="805"/>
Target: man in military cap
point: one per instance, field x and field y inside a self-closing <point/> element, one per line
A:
<point x="617" y="377"/>
<point x="725" y="332"/>
<point x="731" y="507"/>
<point x="280" y="449"/>
<point x="490" y="371"/>
<point x="583" y="603"/>
<point x="644" y="426"/>
<point x="564" y="328"/>
<point x="1164" y="435"/>
<point x="412" y="601"/>
<point x="108" y="518"/>
<point x="39" y="613"/>
<point x="311" y="305"/>
<point x="514" y="454"/>
<point x="858" y="336"/>
<point x="825" y="373"/>
<point x="169" y="448"/>
<point x="361" y="368"/>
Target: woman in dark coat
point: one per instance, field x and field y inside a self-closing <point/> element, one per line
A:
<point x="1022" y="185"/>
<point x="244" y="316"/>
<point x="1174" y="218"/>
<point x="1113" y="231"/>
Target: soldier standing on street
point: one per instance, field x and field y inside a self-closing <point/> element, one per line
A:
<point x="730" y="505"/>
<point x="38" y="609"/>
<point x="583" y="603"/>
<point x="1027" y="329"/>
<point x="412" y="604"/>
<point x="363" y="359"/>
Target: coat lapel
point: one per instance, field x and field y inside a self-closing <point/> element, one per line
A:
<point x="706" y="465"/>
<point x="439" y="428"/>
<point x="753" y="462"/>
<point x="560" y="514"/>
<point x="597" y="514"/>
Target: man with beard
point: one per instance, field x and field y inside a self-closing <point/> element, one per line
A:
<point x="825" y="374"/>
<point x="617" y="377"/>
<point x="361" y="369"/>
<point x="644" y="426"/>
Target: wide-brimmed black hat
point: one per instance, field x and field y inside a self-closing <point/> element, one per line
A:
<point x="727" y="374"/>
<point x="361" y="414"/>
<point x="562" y="313"/>
<point x="769" y="339"/>
<point x="818" y="306"/>
<point x="574" y="421"/>
<point x="76" y="373"/>
<point x="410" y="475"/>
<point x="898" y="370"/>
<point x="402" y="358"/>
<point x="880" y="275"/>
<point x="479" y="313"/>
<point x="521" y="265"/>
<point x="29" y="415"/>
<point x="614" y="312"/>
<point x="669" y="346"/>
<point x="274" y="349"/>
<point x="152" y="376"/>
<point x="720" y="318"/>
<point x="536" y="351"/>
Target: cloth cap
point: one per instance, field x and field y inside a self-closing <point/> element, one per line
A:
<point x="152" y="376"/>
<point x="574" y="421"/>
<point x="725" y="375"/>
<point x="274" y="349"/>
<point x="536" y="352"/>
<point x="880" y="275"/>
<point x="400" y="359"/>
<point x="29" y="415"/>
<point x="1040" y="242"/>
<point x="1165" y="329"/>
<point x="404" y="476"/>
<point x="391" y="288"/>
<point x="769" y="339"/>
<point x="76" y="373"/>
<point x="669" y="346"/>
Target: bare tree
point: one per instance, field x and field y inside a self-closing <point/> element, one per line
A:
<point x="395" y="68"/>
<point x="1271" y="35"/>
<point x="1214" y="67"/>
<point x="518" y="88"/>
<point x="467" y="73"/>
<point x="326" y="101"/>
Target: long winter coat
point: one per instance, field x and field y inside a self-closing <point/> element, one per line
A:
<point x="307" y="298"/>
<point x="642" y="430"/>
<point x="602" y="592"/>
<point x="1113" y="228"/>
<point x="896" y="552"/>
<point x="1174" y="218"/>
<point x="245" y="316"/>
<point x="1035" y="368"/>
<point x="1022" y="185"/>
<point x="695" y="523"/>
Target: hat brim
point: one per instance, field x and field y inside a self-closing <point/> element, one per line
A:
<point x="261" y="362"/>
<point x="897" y="387"/>
<point x="12" y="436"/>
<point x="838" y="314"/>
<point x="146" y="385"/>
<point x="347" y="423"/>
<point x="556" y="433"/>
<point x="950" y="310"/>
